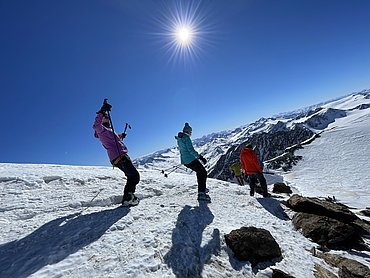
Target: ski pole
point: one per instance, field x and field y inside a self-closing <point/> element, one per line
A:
<point x="127" y="125"/>
<point x="174" y="168"/>
<point x="170" y="168"/>
<point x="177" y="167"/>
<point x="111" y="124"/>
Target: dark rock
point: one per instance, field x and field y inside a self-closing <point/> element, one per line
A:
<point x="366" y="212"/>
<point x="321" y="207"/>
<point x="271" y="145"/>
<point x="281" y="187"/>
<point x="354" y="272"/>
<point x="328" y="232"/>
<point x="331" y="199"/>
<point x="348" y="268"/>
<point x="277" y="273"/>
<point x="330" y="209"/>
<point x="253" y="244"/>
<point x="362" y="106"/>
<point x="362" y="225"/>
<point x="321" y="272"/>
<point x="324" y="117"/>
<point x="284" y="161"/>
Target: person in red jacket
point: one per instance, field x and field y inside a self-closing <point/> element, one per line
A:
<point x="252" y="169"/>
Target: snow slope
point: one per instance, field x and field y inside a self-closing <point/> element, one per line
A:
<point x="64" y="221"/>
<point x="338" y="162"/>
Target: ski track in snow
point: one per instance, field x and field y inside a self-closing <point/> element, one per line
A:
<point x="65" y="221"/>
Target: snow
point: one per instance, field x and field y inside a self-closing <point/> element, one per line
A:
<point x="64" y="221"/>
<point x="349" y="102"/>
<point x="337" y="163"/>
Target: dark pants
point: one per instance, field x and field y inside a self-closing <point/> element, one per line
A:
<point x="240" y="180"/>
<point x="253" y="179"/>
<point x="131" y="173"/>
<point x="198" y="168"/>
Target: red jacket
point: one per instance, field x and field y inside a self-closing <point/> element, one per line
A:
<point x="249" y="161"/>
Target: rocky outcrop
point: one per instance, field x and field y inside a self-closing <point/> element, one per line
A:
<point x="366" y="212"/>
<point x="288" y="159"/>
<point x="321" y="272"/>
<point x="329" y="224"/>
<point x="277" y="273"/>
<point x="328" y="232"/>
<point x="348" y="268"/>
<point x="321" y="207"/>
<point x="324" y="117"/>
<point x="253" y="244"/>
<point x="270" y="145"/>
<point x="281" y="187"/>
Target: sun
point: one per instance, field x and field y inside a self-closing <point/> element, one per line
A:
<point x="183" y="29"/>
<point x="184" y="35"/>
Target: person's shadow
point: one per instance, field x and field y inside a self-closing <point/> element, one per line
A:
<point x="54" y="241"/>
<point x="186" y="256"/>
<point x="274" y="207"/>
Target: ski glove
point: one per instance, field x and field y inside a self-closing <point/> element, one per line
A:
<point x="106" y="107"/>
<point x="202" y="159"/>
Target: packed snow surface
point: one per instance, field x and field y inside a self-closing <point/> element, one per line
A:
<point x="65" y="221"/>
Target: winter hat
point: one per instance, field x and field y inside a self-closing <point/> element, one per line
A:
<point x="187" y="128"/>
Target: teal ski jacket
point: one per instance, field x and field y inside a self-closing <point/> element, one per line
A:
<point x="187" y="152"/>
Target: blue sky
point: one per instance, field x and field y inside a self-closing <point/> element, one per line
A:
<point x="248" y="59"/>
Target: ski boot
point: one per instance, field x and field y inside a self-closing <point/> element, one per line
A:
<point x="202" y="196"/>
<point x="130" y="200"/>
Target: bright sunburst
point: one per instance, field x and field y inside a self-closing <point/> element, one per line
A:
<point x="183" y="35"/>
<point x="183" y="29"/>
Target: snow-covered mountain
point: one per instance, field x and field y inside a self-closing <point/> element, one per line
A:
<point x="272" y="136"/>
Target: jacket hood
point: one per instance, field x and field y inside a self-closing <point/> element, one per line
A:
<point x="180" y="135"/>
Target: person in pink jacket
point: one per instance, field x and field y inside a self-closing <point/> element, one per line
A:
<point x="117" y="153"/>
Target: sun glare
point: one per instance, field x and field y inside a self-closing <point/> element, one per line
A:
<point x="184" y="29"/>
<point x="183" y="36"/>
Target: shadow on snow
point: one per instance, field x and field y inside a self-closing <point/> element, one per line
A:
<point x="187" y="257"/>
<point x="274" y="207"/>
<point x="54" y="241"/>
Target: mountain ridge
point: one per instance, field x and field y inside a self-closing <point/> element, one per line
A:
<point x="290" y="128"/>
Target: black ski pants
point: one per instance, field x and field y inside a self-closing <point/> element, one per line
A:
<point x="198" y="168"/>
<point x="257" y="177"/>
<point x="133" y="177"/>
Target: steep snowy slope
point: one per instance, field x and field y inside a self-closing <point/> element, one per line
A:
<point x="337" y="163"/>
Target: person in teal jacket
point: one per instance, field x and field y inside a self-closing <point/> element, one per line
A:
<point x="190" y="159"/>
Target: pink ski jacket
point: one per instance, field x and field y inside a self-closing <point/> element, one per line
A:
<point x="106" y="137"/>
